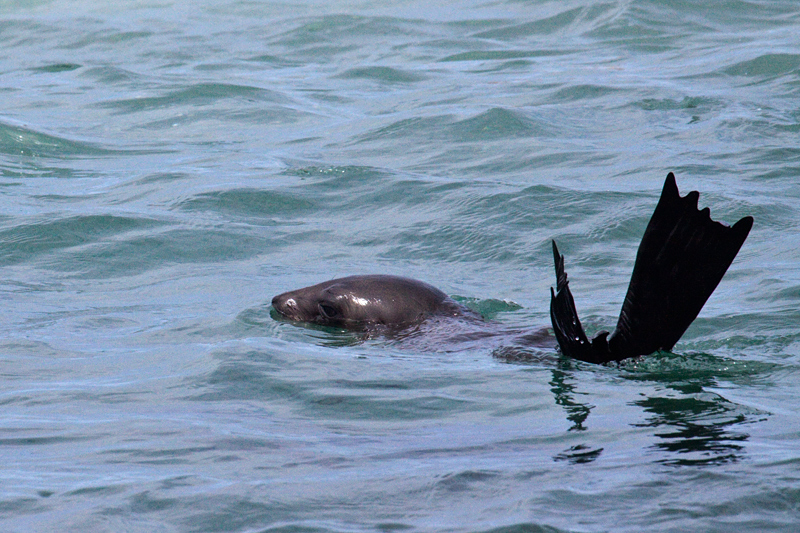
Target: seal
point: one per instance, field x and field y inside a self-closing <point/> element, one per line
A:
<point x="681" y="259"/>
<point x="367" y="302"/>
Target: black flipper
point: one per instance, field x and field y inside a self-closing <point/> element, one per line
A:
<point x="681" y="260"/>
<point x="566" y="324"/>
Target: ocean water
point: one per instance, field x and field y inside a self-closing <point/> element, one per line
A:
<point x="168" y="167"/>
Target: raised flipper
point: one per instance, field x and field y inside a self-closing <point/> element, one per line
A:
<point x="567" y="326"/>
<point x="681" y="260"/>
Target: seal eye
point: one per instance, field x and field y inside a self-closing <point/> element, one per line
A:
<point x="328" y="311"/>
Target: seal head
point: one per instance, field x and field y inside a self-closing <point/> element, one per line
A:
<point x="363" y="302"/>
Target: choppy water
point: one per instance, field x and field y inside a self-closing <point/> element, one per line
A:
<point x="168" y="167"/>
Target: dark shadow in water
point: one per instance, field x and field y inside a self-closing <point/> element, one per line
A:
<point x="563" y="389"/>
<point x="579" y="454"/>
<point x="564" y="393"/>
<point x="694" y="427"/>
<point x="698" y="431"/>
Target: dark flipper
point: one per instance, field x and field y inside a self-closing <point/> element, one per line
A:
<point x="681" y="260"/>
<point x="566" y="325"/>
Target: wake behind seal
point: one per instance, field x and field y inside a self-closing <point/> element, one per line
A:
<point x="681" y="259"/>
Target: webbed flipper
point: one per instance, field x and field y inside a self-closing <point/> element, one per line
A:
<point x="567" y="326"/>
<point x="681" y="260"/>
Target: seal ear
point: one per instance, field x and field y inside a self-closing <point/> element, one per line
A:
<point x="681" y="260"/>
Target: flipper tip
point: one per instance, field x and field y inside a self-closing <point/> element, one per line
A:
<point x="558" y="261"/>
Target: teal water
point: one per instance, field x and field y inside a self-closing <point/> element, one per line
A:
<point x="168" y="167"/>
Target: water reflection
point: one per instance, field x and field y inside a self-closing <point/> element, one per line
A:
<point x="563" y="389"/>
<point x="579" y="454"/>
<point x="564" y="392"/>
<point x="694" y="427"/>
<point x="700" y="432"/>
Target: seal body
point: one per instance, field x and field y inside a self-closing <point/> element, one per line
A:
<point x="682" y="258"/>
<point x="364" y="302"/>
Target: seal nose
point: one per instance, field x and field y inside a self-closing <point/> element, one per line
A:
<point x="284" y="304"/>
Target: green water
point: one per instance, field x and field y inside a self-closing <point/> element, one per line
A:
<point x="166" y="168"/>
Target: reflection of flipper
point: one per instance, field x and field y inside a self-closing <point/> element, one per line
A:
<point x="681" y="260"/>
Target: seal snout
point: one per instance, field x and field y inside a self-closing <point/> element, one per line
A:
<point x="285" y="304"/>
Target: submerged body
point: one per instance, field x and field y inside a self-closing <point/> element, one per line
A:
<point x="681" y="260"/>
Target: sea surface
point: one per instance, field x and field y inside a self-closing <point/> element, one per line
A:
<point x="167" y="167"/>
